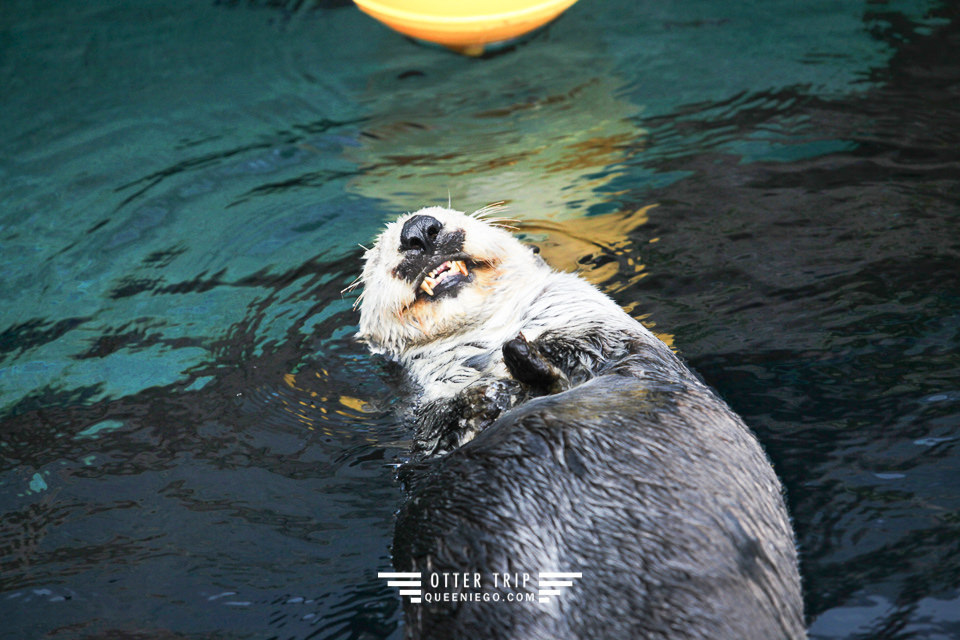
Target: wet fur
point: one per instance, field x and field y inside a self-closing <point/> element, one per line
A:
<point x="554" y="432"/>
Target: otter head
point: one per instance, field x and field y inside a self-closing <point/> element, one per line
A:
<point x="436" y="273"/>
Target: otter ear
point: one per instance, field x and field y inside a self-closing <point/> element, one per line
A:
<point x="535" y="250"/>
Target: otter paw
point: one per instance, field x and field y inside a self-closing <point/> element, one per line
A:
<point x="530" y="367"/>
<point x="471" y="412"/>
<point x="483" y="403"/>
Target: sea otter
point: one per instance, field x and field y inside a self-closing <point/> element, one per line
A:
<point x="554" y="433"/>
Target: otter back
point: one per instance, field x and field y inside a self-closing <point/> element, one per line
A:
<point x="650" y="488"/>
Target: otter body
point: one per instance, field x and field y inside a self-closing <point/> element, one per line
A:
<point x="554" y="433"/>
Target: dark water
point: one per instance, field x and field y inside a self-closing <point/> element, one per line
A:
<point x="191" y="445"/>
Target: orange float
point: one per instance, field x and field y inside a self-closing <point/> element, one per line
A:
<point x="464" y="26"/>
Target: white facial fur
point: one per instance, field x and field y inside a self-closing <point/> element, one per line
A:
<point x="386" y="321"/>
<point x="447" y="343"/>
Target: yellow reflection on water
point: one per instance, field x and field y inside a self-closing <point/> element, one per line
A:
<point x="310" y="404"/>
<point x="574" y="245"/>
<point x="546" y="157"/>
<point x="564" y="243"/>
<point x="358" y="405"/>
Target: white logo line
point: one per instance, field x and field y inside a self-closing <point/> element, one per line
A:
<point x="408" y="582"/>
<point x="562" y="579"/>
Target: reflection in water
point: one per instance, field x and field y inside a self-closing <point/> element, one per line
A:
<point x="547" y="143"/>
<point x="602" y="249"/>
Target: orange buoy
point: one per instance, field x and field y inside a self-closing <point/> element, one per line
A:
<point x="467" y="27"/>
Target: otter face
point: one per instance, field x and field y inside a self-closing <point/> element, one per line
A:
<point x="434" y="273"/>
<point x="434" y="264"/>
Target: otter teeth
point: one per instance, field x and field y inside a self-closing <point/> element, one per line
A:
<point x="441" y="273"/>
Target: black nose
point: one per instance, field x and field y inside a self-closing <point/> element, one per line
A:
<point x="420" y="233"/>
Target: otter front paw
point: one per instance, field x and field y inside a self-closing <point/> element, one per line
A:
<point x="530" y="367"/>
<point x="481" y="404"/>
<point x="448" y="426"/>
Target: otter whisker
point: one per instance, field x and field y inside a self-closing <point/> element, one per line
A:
<point x="353" y="285"/>
<point x="503" y="223"/>
<point x="496" y="221"/>
<point x="356" y="303"/>
<point x="493" y="207"/>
